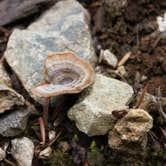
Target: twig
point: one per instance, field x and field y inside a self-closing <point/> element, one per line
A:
<point x="9" y="162"/>
<point x="141" y="96"/>
<point x="42" y="131"/>
<point x="54" y="139"/>
<point x="4" y="30"/>
<point x="155" y="44"/>
<point x="124" y="59"/>
<point x="162" y="113"/>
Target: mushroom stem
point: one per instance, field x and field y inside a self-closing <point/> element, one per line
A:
<point x="45" y="110"/>
<point x="42" y="131"/>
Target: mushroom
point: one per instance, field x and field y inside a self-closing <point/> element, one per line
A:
<point x="66" y="73"/>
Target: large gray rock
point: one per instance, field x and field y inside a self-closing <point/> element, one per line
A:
<point x="93" y="114"/>
<point x="63" y="27"/>
<point x="15" y="121"/>
<point x="22" y="150"/>
<point x="129" y="134"/>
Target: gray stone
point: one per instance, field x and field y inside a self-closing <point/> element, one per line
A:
<point x="129" y="134"/>
<point x="93" y="113"/>
<point x="4" y="77"/>
<point x="9" y="98"/>
<point x="46" y="153"/>
<point x="22" y="150"/>
<point x="109" y="58"/>
<point x="63" y="27"/>
<point x="15" y="121"/>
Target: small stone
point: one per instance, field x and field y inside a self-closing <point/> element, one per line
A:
<point x="22" y="150"/>
<point x="148" y="100"/>
<point x="144" y="78"/>
<point x="93" y="113"/>
<point x="131" y="130"/>
<point x="122" y="71"/>
<point x="162" y="23"/>
<point x="51" y="134"/>
<point x="46" y="153"/>
<point x="9" y="98"/>
<point x="109" y="58"/>
<point x="2" y="154"/>
<point x="15" y="121"/>
<point x="64" y="146"/>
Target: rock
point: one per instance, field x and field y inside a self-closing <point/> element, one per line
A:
<point x="46" y="153"/>
<point x="15" y="121"/>
<point x="51" y="134"/>
<point x="2" y="154"/>
<point x="4" y="77"/>
<point x="13" y="10"/>
<point x="162" y="23"/>
<point x="22" y="150"/>
<point x="93" y="113"/>
<point x="129" y="134"/>
<point x="57" y="30"/>
<point x="122" y="71"/>
<point x="109" y="58"/>
<point x="9" y="98"/>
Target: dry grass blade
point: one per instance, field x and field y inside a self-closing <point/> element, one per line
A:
<point x="142" y="96"/>
<point x="124" y="59"/>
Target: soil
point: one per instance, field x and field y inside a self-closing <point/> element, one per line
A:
<point x="134" y="30"/>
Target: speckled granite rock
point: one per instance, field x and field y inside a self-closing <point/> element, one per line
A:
<point x="9" y="98"/>
<point x="63" y="27"/>
<point x="93" y="113"/>
<point x="22" y="150"/>
<point x="129" y="134"/>
<point x="4" y="77"/>
<point x="15" y="121"/>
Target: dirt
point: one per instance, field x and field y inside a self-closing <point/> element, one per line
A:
<point x="134" y="30"/>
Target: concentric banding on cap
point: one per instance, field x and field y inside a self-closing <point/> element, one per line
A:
<point x="66" y="73"/>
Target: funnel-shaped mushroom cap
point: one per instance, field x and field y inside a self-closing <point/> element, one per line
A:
<point x="66" y="73"/>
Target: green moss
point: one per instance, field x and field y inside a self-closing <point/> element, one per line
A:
<point x="59" y="158"/>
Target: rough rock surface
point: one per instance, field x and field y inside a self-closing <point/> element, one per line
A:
<point x="63" y="27"/>
<point x="130" y="133"/>
<point x="15" y="121"/>
<point x="12" y="10"/>
<point x="93" y="113"/>
<point x="4" y="77"/>
<point x="9" y="98"/>
<point x="22" y="150"/>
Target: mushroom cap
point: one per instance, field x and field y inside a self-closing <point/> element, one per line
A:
<point x="66" y="73"/>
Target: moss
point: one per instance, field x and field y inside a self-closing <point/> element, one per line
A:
<point x="95" y="157"/>
<point x="59" y="158"/>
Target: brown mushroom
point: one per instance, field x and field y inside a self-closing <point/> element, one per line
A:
<point x="66" y="73"/>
